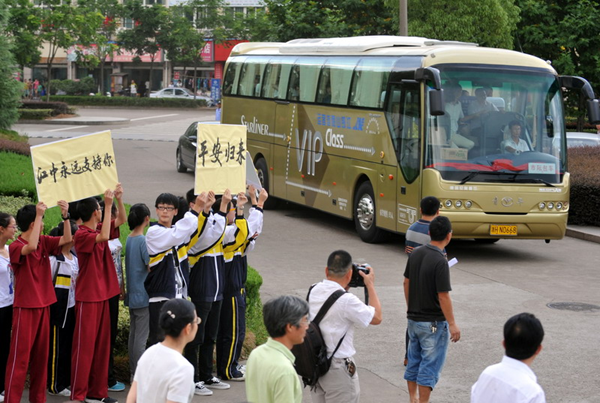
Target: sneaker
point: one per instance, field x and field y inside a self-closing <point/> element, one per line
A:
<point x="241" y="368"/>
<point x="202" y="390"/>
<point x="2" y="397"/>
<point x="215" y="383"/>
<point x="238" y="378"/>
<point x="100" y="400"/>
<point x="117" y="387"/>
<point x="64" y="392"/>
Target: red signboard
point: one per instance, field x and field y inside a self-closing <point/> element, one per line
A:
<point x="223" y="50"/>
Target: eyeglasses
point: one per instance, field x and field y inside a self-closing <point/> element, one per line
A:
<point x="305" y="322"/>
<point x="165" y="208"/>
<point x="11" y="226"/>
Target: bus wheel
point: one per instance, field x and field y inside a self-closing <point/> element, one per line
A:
<point x="263" y="175"/>
<point x="180" y="166"/>
<point x="365" y="213"/>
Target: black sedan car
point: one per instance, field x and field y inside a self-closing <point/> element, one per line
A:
<point x="186" y="148"/>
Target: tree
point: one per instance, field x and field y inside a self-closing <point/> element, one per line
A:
<point x="291" y="19"/>
<point x="182" y="41"/>
<point x="23" y="25"/>
<point x="63" y="26"/>
<point x="486" y="22"/>
<point x="10" y="89"/>
<point x="143" y="37"/>
<point x="104" y="36"/>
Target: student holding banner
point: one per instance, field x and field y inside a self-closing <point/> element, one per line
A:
<point x="166" y="279"/>
<point x="34" y="293"/>
<point x="232" y="323"/>
<point x="96" y="284"/>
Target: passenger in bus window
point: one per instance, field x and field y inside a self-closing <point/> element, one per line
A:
<point x="515" y="145"/>
<point x="477" y="110"/>
<point x="257" y="85"/>
<point x="327" y="96"/>
<point x="455" y="114"/>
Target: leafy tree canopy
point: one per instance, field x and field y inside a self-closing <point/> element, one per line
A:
<point x="10" y="89"/>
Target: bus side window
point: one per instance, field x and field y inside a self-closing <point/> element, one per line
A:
<point x="404" y="120"/>
<point x="369" y="82"/>
<point x="294" y="88"/>
<point x="232" y="72"/>
<point x="271" y="81"/>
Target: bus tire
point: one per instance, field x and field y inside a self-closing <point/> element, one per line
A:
<point x="263" y="175"/>
<point x="365" y="215"/>
<point x="180" y="166"/>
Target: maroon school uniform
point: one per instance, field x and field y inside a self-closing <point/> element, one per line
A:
<point x="96" y="284"/>
<point x="34" y="293"/>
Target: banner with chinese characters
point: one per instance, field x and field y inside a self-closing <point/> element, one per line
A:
<point x="75" y="168"/>
<point x="221" y="158"/>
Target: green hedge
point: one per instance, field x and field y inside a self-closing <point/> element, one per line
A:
<point x="34" y="114"/>
<point x="58" y="108"/>
<point x="74" y="87"/>
<point x="585" y="186"/>
<point x="129" y="101"/>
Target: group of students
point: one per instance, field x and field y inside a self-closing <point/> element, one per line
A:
<point x="59" y="294"/>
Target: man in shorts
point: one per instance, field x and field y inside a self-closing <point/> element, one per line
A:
<point x="430" y="315"/>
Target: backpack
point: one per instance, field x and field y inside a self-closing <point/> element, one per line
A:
<point x="311" y="356"/>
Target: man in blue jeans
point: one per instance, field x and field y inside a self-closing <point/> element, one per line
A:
<point x="430" y="316"/>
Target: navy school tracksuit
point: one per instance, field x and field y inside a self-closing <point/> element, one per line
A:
<point x="232" y="326"/>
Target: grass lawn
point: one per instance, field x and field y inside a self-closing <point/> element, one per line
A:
<point x="16" y="175"/>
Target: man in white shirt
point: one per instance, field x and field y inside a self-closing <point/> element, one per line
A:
<point x="512" y="380"/>
<point x="515" y="145"/>
<point x="340" y="384"/>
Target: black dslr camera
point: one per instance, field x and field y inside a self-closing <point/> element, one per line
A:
<point x="357" y="280"/>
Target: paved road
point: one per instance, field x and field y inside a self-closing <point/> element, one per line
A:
<point x="490" y="283"/>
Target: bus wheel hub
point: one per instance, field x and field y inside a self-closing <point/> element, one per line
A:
<point x="365" y="212"/>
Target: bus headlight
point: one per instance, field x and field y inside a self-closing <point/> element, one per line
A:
<point x="458" y="203"/>
<point x="559" y="206"/>
<point x="448" y="203"/>
<point x="550" y="205"/>
<point x="542" y="205"/>
<point x="468" y="204"/>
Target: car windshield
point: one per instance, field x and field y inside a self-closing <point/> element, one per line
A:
<point x="500" y="125"/>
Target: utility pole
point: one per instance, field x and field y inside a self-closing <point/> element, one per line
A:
<point x="403" y="18"/>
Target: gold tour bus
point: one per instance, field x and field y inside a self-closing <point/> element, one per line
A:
<point x="365" y="127"/>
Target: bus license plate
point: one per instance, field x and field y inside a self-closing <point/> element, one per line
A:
<point x="503" y="230"/>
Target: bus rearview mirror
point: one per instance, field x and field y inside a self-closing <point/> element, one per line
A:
<point x="436" y="102"/>
<point x="593" y="108"/>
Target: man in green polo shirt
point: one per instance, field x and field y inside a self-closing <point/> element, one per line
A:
<point x="270" y="373"/>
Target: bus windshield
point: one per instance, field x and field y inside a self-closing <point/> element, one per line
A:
<point x="500" y="125"/>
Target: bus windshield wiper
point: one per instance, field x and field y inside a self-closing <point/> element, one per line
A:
<point x="470" y="176"/>
<point x="534" y="180"/>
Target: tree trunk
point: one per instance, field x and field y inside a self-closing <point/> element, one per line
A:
<point x="102" y="64"/>
<point x="194" y="84"/>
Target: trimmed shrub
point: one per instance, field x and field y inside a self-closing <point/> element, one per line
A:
<point x="256" y="333"/>
<point x="11" y="204"/>
<point x="15" y="147"/>
<point x="130" y="101"/>
<point x="58" y="108"/>
<point x="74" y="87"/>
<point x="585" y="186"/>
<point x="34" y="114"/>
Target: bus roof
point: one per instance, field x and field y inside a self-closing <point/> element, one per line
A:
<point x="433" y="51"/>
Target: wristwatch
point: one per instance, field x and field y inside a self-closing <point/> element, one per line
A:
<point x="66" y="217"/>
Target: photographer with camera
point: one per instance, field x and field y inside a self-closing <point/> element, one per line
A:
<point x="340" y="383"/>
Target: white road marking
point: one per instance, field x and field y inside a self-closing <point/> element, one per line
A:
<point x="67" y="128"/>
<point x="154" y="117"/>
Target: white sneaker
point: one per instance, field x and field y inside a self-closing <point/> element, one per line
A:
<point x="2" y="397"/>
<point x="241" y="368"/>
<point x="215" y="383"/>
<point x="202" y="390"/>
<point x="64" y="392"/>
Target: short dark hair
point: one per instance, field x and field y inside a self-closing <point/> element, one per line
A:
<point x="87" y="207"/>
<point x="5" y="220"/>
<point x="182" y="208"/>
<point x="430" y="205"/>
<point x="73" y="211"/>
<point x="137" y="214"/>
<point x="113" y="209"/>
<point x="167" y="198"/>
<point x="190" y="196"/>
<point x="281" y="311"/>
<point x="515" y="123"/>
<point x="339" y="262"/>
<point x="25" y="216"/>
<point x="439" y="228"/>
<point x="523" y="334"/>
<point x="175" y="315"/>
<point x="59" y="230"/>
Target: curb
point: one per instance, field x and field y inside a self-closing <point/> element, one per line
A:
<point x="586" y="236"/>
<point x="114" y="121"/>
